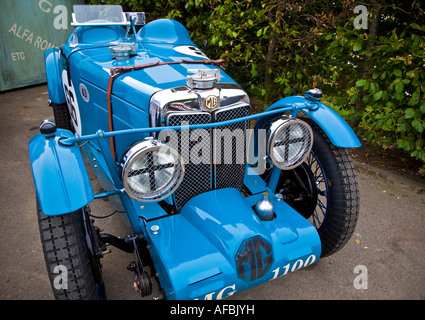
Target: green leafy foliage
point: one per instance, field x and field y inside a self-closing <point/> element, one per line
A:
<point x="375" y="77"/>
<point x="392" y="92"/>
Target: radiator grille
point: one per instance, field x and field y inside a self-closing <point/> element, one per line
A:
<point x="197" y="177"/>
<point x="226" y="147"/>
<point x="230" y="155"/>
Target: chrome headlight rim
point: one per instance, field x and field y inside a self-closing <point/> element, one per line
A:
<point x="275" y="129"/>
<point x="140" y="150"/>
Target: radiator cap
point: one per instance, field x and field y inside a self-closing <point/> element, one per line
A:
<point x="203" y="78"/>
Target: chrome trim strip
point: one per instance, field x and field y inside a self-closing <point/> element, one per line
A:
<point x="191" y="100"/>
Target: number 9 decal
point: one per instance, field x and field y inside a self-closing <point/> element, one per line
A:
<point x="71" y="101"/>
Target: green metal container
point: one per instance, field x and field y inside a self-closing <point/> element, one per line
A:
<point x="27" y="29"/>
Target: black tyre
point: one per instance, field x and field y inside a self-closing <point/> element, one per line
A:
<point x="68" y="242"/>
<point x="61" y="116"/>
<point x="324" y="190"/>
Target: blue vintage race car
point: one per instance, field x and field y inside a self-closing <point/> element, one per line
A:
<point x="219" y="199"/>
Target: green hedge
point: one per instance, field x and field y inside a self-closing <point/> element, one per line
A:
<point x="375" y="76"/>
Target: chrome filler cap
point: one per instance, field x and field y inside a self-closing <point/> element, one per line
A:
<point x="203" y="78"/>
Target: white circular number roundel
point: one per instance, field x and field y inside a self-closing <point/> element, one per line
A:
<point x="84" y="92"/>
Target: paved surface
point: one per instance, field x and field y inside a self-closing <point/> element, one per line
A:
<point x="388" y="241"/>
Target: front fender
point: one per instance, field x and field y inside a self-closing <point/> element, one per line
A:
<point x="335" y="127"/>
<point x="60" y="177"/>
<point x="53" y="75"/>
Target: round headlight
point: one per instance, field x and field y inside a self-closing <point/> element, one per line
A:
<point x="151" y="171"/>
<point x="289" y="143"/>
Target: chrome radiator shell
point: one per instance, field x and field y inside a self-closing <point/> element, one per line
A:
<point x="223" y="149"/>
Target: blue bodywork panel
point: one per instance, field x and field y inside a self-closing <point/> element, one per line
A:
<point x="166" y="31"/>
<point x="53" y="74"/>
<point x="335" y="127"/>
<point x="93" y="61"/>
<point x="131" y="93"/>
<point x="60" y="176"/>
<point x="217" y="246"/>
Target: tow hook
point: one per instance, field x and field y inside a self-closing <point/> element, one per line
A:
<point x="142" y="281"/>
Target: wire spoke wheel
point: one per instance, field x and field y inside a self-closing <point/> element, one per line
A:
<point x="325" y="191"/>
<point x="320" y="213"/>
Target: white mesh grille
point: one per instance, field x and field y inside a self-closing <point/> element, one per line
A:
<point x="224" y="171"/>
<point x="230" y="148"/>
<point x="197" y="178"/>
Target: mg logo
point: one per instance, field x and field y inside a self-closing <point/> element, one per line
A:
<point x="254" y="258"/>
<point x="211" y="102"/>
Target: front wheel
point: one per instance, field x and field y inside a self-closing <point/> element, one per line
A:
<point x="61" y="116"/>
<point x="325" y="191"/>
<point x="68" y="243"/>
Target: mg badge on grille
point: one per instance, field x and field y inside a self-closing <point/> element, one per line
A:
<point x="211" y="102"/>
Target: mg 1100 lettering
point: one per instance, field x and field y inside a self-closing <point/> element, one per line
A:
<point x="278" y="272"/>
<point x="291" y="267"/>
